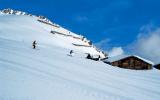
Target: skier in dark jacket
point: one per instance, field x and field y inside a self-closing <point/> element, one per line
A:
<point x="34" y="44"/>
<point x="71" y="53"/>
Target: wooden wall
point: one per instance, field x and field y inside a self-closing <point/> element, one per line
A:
<point x="132" y="63"/>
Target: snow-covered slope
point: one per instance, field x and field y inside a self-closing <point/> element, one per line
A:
<point x="47" y="73"/>
<point x="35" y="28"/>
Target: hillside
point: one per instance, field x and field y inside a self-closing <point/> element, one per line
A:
<point x="48" y="73"/>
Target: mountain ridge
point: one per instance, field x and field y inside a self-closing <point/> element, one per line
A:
<point x="10" y="11"/>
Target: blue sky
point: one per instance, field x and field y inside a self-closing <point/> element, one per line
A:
<point x="112" y="22"/>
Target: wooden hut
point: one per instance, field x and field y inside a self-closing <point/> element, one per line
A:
<point x="157" y="66"/>
<point x="130" y="62"/>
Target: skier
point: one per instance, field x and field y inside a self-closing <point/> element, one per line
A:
<point x="71" y="53"/>
<point x="34" y="44"/>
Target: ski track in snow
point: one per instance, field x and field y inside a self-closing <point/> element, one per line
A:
<point x="65" y="71"/>
<point x="27" y="67"/>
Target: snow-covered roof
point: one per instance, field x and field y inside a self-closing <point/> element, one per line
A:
<point x="116" y="58"/>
